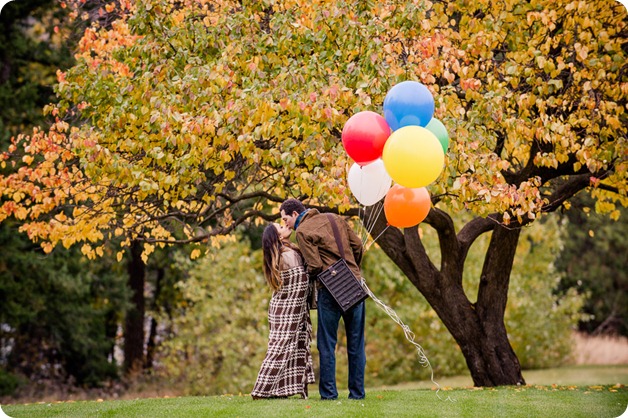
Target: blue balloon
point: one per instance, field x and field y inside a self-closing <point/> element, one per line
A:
<point x="408" y="103"/>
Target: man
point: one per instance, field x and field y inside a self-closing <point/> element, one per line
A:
<point x="317" y="243"/>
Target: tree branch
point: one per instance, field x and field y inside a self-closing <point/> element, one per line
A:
<point x="392" y="243"/>
<point x="251" y="195"/>
<point x="426" y="275"/>
<point x="566" y="191"/>
<point x="449" y="245"/>
<point x="472" y="230"/>
<point x="608" y="188"/>
<point x="223" y="230"/>
<point x="495" y="276"/>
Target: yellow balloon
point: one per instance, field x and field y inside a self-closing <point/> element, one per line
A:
<point x="413" y="156"/>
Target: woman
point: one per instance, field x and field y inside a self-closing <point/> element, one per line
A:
<point x="287" y="368"/>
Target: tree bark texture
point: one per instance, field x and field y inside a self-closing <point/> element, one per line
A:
<point x="134" y="322"/>
<point x="151" y="345"/>
<point x="478" y="327"/>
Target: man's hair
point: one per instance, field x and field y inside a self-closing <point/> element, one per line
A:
<point x="292" y="205"/>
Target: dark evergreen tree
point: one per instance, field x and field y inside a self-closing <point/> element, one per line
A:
<point x="29" y="59"/>
<point x="594" y="261"/>
<point x="59" y="314"/>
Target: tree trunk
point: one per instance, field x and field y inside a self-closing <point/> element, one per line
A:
<point x="134" y="323"/>
<point x="478" y="327"/>
<point x="151" y="345"/>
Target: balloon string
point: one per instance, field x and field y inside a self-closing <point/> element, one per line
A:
<point x="363" y="222"/>
<point x="380" y="208"/>
<point x="362" y="214"/>
<point x="365" y="229"/>
<point x="373" y="242"/>
<point x="423" y="360"/>
<point x="371" y="221"/>
<point x="373" y="215"/>
<point x="409" y="335"/>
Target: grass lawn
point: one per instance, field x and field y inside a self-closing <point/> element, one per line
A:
<point x="529" y="401"/>
<point x="604" y="395"/>
<point x="569" y="375"/>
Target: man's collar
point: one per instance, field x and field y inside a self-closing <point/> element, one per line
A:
<point x="299" y="219"/>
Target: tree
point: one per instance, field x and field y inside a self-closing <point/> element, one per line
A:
<point x="31" y="51"/>
<point x="544" y="119"/>
<point x="200" y="114"/>
<point x="590" y="262"/>
<point x="546" y="344"/>
<point x="59" y="314"/>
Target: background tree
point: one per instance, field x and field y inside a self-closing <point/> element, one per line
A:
<point x="199" y="114"/>
<point x="219" y="335"/>
<point x="590" y="261"/>
<point x="32" y="49"/>
<point x="37" y="40"/>
<point x="59" y="314"/>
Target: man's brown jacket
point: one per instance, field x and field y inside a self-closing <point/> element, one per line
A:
<point x="317" y="243"/>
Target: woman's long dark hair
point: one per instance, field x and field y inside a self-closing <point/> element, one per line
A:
<point x="271" y="246"/>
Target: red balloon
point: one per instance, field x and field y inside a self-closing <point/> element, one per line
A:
<point x="364" y="136"/>
<point x="406" y="207"/>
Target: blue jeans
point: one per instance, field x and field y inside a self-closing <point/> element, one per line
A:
<point x="329" y="314"/>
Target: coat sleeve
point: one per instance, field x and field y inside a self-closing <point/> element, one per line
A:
<point x="356" y="244"/>
<point x="309" y="249"/>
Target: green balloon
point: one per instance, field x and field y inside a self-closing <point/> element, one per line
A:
<point x="438" y="129"/>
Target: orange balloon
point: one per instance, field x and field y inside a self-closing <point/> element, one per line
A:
<point x="405" y="207"/>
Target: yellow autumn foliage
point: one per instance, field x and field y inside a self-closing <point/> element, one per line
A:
<point x="197" y="116"/>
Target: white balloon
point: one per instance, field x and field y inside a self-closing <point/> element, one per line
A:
<point x="370" y="183"/>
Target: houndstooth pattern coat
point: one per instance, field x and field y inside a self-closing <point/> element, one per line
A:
<point x="287" y="368"/>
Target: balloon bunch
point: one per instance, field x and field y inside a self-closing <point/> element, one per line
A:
<point x="413" y="155"/>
